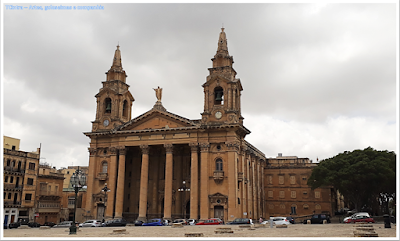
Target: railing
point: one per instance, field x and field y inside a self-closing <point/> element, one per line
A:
<point x="13" y="169"/>
<point x="12" y="203"/>
<point x="12" y="186"/>
<point x="102" y="176"/>
<point x="48" y="193"/>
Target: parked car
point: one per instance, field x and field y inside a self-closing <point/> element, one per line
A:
<point x="360" y="218"/>
<point x="240" y="221"/>
<point x="64" y="224"/>
<point x="138" y="223"/>
<point x="14" y="225"/>
<point x="91" y="223"/>
<point x="345" y="220"/>
<point x="33" y="224"/>
<point x="290" y="219"/>
<point x="192" y="221"/>
<point x="119" y="222"/>
<point x="154" y="222"/>
<point x="211" y="221"/>
<point x="318" y="219"/>
<point x="277" y="221"/>
<point x="50" y="224"/>
<point x="180" y="220"/>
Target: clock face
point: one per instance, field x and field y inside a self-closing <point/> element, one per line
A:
<point x="218" y="115"/>
<point x="106" y="122"/>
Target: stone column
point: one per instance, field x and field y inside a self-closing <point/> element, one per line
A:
<point x="121" y="183"/>
<point x="90" y="181"/>
<point x="194" y="183"/>
<point x="112" y="184"/>
<point x="249" y="199"/>
<point x="168" y="181"/>
<point x="262" y="190"/>
<point x="244" y="186"/>
<point x="144" y="181"/>
<point x="204" y="203"/>
<point x="234" y="99"/>
<point x="232" y="180"/>
<point x="254" y="189"/>
<point x="229" y="99"/>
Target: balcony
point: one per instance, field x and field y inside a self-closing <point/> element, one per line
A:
<point x="12" y="203"/>
<point x="48" y="193"/>
<point x="14" y="169"/>
<point x="218" y="176"/>
<point x="8" y="186"/>
<point x="102" y="176"/>
<point x="240" y="176"/>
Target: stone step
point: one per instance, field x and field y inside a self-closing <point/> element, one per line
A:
<point x="194" y="235"/>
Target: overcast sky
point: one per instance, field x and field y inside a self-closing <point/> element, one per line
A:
<point x="318" y="79"/>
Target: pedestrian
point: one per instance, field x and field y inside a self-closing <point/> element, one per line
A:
<point x="261" y="220"/>
<point x="251" y="221"/>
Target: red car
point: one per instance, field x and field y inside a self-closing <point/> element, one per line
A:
<point x="359" y="219"/>
<point x="211" y="221"/>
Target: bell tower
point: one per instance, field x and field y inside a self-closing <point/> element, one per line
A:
<point x="222" y="90"/>
<point x="114" y="101"/>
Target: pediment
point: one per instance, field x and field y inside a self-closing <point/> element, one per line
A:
<point x="155" y="119"/>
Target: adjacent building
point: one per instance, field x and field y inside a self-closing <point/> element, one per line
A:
<point x="48" y="194"/>
<point x="20" y="180"/>
<point x="287" y="192"/>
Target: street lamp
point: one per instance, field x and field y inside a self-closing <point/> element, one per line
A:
<point x="105" y="190"/>
<point x="183" y="189"/>
<point x="78" y="180"/>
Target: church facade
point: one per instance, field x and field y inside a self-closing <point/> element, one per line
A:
<point x="162" y="165"/>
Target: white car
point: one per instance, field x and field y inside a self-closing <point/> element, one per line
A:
<point x="191" y="222"/>
<point x="356" y="214"/>
<point x="277" y="221"/>
<point x="91" y="223"/>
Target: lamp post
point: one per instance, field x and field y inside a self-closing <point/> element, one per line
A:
<point x="183" y="189"/>
<point x="105" y="190"/>
<point x="78" y="180"/>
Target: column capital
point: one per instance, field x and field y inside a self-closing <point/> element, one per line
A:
<point x="122" y="150"/>
<point x="92" y="151"/>
<point x="145" y="149"/>
<point x="168" y="148"/>
<point x="233" y="146"/>
<point x="194" y="146"/>
<point x="113" y="150"/>
<point x="204" y="147"/>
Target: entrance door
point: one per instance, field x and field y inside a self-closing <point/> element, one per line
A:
<point x="219" y="212"/>
<point x="100" y="212"/>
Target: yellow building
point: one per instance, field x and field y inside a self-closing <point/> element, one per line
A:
<point x="11" y="143"/>
<point x="147" y="161"/>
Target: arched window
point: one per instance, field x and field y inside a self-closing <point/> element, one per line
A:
<point x="107" y="105"/>
<point x="125" y="109"/>
<point x="218" y="165"/>
<point x="218" y="96"/>
<point x="104" y="167"/>
<point x="317" y="207"/>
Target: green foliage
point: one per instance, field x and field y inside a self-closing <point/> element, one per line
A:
<point x="361" y="175"/>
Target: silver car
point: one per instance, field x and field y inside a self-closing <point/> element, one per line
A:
<point x="91" y="223"/>
<point x="65" y="224"/>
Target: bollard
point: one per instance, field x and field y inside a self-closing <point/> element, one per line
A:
<point x="271" y="222"/>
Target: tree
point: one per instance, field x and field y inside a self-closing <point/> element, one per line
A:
<point x="362" y="176"/>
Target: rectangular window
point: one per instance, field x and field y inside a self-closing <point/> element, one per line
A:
<point x="292" y="179"/>
<point x="281" y="179"/>
<point x="6" y="179"/>
<point x="28" y="196"/>
<point x="31" y="166"/>
<point x="317" y="194"/>
<point x="30" y="181"/>
<point x="271" y="194"/>
<point x="293" y="194"/>
<point x="11" y="179"/>
<point x="281" y="194"/>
